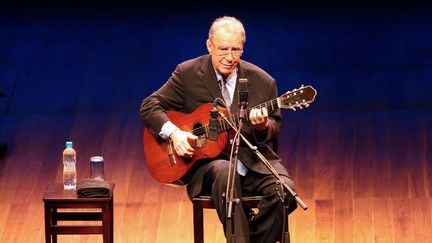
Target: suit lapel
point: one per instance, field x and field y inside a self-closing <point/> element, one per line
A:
<point x="208" y="77"/>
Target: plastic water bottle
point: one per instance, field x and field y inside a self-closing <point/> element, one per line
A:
<point x="69" y="167"/>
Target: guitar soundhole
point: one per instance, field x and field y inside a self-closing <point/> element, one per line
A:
<point x="199" y="130"/>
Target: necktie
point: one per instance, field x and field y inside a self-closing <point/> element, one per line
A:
<point x="225" y="92"/>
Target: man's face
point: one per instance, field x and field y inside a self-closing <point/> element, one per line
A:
<point x="225" y="48"/>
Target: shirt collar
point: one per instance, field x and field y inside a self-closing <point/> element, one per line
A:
<point x="231" y="79"/>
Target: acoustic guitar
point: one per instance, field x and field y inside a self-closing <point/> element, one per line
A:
<point x="167" y="167"/>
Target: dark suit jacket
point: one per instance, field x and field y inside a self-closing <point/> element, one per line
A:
<point x="194" y="83"/>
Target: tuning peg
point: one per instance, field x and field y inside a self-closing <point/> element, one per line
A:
<point x="301" y="107"/>
<point x="293" y="108"/>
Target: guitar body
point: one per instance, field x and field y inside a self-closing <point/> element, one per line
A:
<point x="162" y="161"/>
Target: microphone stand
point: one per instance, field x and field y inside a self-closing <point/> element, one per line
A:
<point x="279" y="180"/>
<point x="230" y="223"/>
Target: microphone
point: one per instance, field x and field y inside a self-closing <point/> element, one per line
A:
<point x="243" y="92"/>
<point x="214" y="123"/>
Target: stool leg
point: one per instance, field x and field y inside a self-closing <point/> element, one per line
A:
<point x="111" y="221"/>
<point x="47" y="223"/>
<point x="54" y="222"/>
<point x="105" y="222"/>
<point x="198" y="223"/>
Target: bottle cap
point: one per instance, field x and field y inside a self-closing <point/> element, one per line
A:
<point x="69" y="144"/>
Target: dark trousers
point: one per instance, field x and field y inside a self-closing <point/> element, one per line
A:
<point x="267" y="226"/>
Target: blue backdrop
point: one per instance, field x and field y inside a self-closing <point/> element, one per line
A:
<point x="104" y="58"/>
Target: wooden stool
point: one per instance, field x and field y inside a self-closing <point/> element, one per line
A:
<point x="57" y="198"/>
<point x="201" y="202"/>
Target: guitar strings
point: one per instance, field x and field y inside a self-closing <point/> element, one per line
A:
<point x="272" y="103"/>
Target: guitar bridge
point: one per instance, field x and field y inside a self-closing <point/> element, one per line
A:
<point x="171" y="154"/>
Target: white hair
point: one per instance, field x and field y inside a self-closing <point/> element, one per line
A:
<point x="231" y="24"/>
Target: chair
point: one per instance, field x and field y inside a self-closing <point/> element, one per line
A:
<point x="201" y="202"/>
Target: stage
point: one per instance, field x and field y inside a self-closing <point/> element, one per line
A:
<point x="365" y="175"/>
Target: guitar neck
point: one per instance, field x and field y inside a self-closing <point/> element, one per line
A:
<point x="269" y="105"/>
<point x="297" y="98"/>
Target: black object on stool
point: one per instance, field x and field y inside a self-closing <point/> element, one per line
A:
<point x="90" y="188"/>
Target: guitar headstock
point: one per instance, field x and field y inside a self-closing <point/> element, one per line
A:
<point x="297" y="98"/>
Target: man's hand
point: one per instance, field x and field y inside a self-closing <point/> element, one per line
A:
<point x="259" y="118"/>
<point x="181" y="144"/>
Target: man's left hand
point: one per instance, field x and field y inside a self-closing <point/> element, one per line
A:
<point x="259" y="118"/>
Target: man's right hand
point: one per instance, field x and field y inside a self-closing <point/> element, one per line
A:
<point x="181" y="144"/>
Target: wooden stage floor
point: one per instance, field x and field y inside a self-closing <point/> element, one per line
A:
<point x="365" y="175"/>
